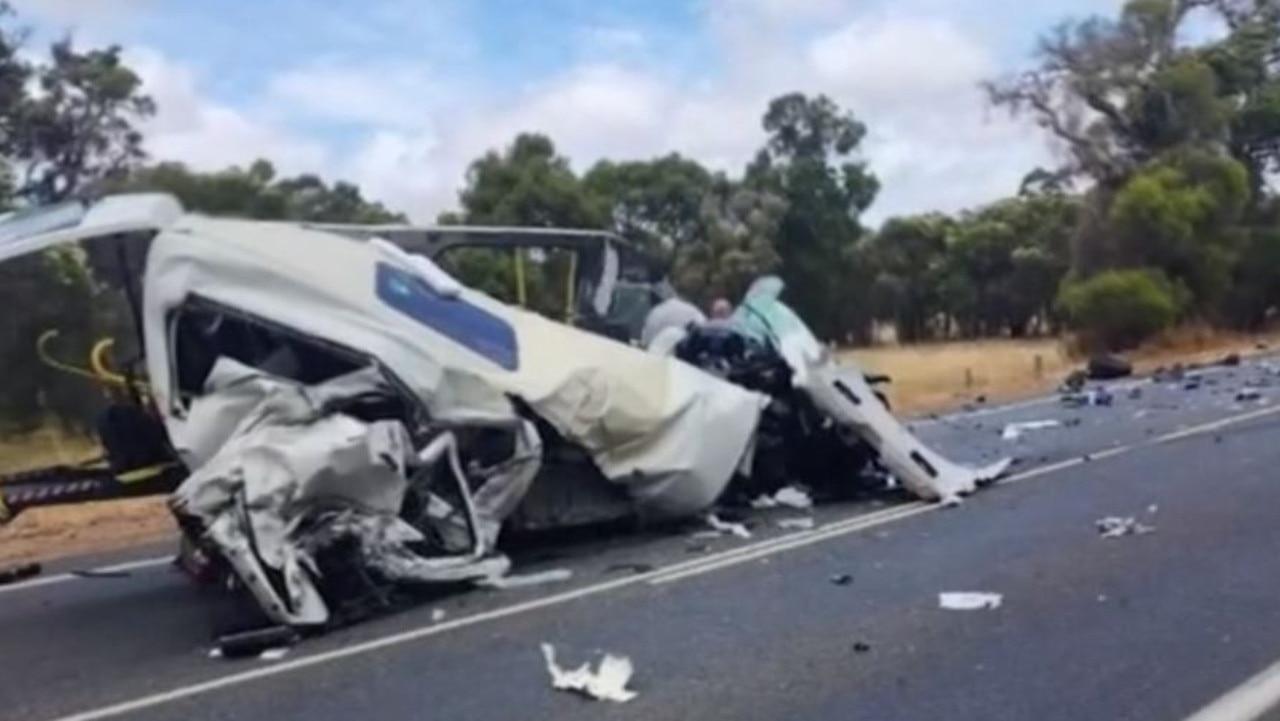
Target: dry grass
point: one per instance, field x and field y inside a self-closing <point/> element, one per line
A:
<point x="926" y="377"/>
<point x="937" y="376"/>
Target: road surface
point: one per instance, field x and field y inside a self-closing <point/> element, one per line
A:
<point x="1149" y="627"/>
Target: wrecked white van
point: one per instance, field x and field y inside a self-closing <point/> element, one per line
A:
<point x="347" y="418"/>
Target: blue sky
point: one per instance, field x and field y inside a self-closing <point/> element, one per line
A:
<point x="399" y="95"/>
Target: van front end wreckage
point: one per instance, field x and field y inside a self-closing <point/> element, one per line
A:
<point x="339" y="421"/>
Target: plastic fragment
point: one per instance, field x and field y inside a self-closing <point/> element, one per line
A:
<point x="969" y="600"/>
<point x="607" y="682"/>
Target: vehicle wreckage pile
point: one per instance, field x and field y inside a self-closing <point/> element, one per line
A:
<point x="356" y="421"/>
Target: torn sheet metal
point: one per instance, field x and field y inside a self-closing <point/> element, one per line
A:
<point x="843" y="394"/>
<point x="969" y="600"/>
<point x="291" y="477"/>
<point x="607" y="682"/>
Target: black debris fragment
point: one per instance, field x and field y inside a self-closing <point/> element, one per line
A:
<point x="1230" y="359"/>
<point x="861" y="647"/>
<point x="636" y="568"/>
<point x="1108" y="367"/>
<point x="980" y="399"/>
<point x="255" y="642"/>
<point x="20" y="573"/>
<point x="1192" y="382"/>
<point x="842" y="579"/>
<point x="1074" y="382"/>
<point x="1248" y="394"/>
<point x="1135" y="392"/>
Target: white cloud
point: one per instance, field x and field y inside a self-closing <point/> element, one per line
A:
<point x="409" y="131"/>
<point x="207" y="134"/>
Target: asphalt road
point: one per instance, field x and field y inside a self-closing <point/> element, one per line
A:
<point x="1143" y="627"/>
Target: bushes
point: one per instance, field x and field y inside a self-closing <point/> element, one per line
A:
<point x="1119" y="309"/>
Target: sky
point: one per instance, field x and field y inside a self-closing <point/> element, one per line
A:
<point x="400" y="95"/>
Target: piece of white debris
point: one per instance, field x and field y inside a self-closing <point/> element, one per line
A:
<point x="951" y="501"/>
<point x="554" y="575"/>
<point x="273" y="654"/>
<point x="969" y="600"/>
<point x="764" y="502"/>
<point x="437" y="615"/>
<point x="1152" y="509"/>
<point x="1117" y="526"/>
<point x="215" y="652"/>
<point x="723" y="527"/>
<point x="608" y="682"/>
<point x="1014" y="431"/>
<point x="796" y="524"/>
<point x="793" y="497"/>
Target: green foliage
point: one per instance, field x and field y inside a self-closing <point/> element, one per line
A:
<point x="734" y="243"/>
<point x="529" y="184"/>
<point x="1118" y="309"/>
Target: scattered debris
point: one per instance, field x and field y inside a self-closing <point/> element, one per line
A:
<point x="254" y="643"/>
<point x="1075" y="382"/>
<point x="969" y="600"/>
<point x="1152" y="509"/>
<point x="796" y="524"/>
<point x="1230" y="360"/>
<point x="20" y="573"/>
<point x="1135" y="393"/>
<point x="1095" y="397"/>
<point x="764" y="502"/>
<point x="274" y="654"/>
<point x="842" y="579"/>
<point x="861" y="647"/>
<point x="980" y="399"/>
<point x="636" y="568"/>
<point x="554" y="575"/>
<point x="1117" y="526"/>
<point x="1014" y="431"/>
<point x="793" y="497"/>
<point x="438" y="615"/>
<point x="723" y="527"/>
<point x="1192" y="382"/>
<point x="1246" y="395"/>
<point x="1108" y="367"/>
<point x="608" y="682"/>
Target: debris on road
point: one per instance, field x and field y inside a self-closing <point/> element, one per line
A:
<point x="1108" y="367"/>
<point x="1248" y="395"/>
<point x="803" y="523"/>
<point x="861" y="647"/>
<point x="554" y="575"/>
<point x="20" y="573"/>
<point x="257" y="642"/>
<point x="793" y="497"/>
<point x="607" y="682"/>
<point x="969" y="600"/>
<point x="100" y="573"/>
<point x="1014" y="431"/>
<point x="274" y="654"/>
<point x="438" y="615"/>
<point x="1095" y="397"/>
<point x="1117" y="526"/>
<point x="1192" y="382"/>
<point x="1230" y="360"/>
<point x="636" y="568"/>
<point x="721" y="528"/>
<point x="842" y="579"/>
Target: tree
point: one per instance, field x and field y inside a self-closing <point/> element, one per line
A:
<point x="80" y="127"/>
<point x="256" y="192"/>
<point x="908" y="255"/>
<point x="811" y="161"/>
<point x="528" y="184"/>
<point x="657" y="204"/>
<point x="1118" y="309"/>
<point x="733" y="243"/>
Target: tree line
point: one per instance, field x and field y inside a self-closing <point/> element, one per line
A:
<point x="1162" y="210"/>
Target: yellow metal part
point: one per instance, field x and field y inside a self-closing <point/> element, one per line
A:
<point x="97" y="371"/>
<point x="571" y="286"/>
<point x="522" y="292"/>
<point x="139" y="475"/>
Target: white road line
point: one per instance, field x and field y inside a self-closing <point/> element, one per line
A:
<point x="721" y="560"/>
<point x="65" y="577"/>
<point x="1246" y="702"/>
